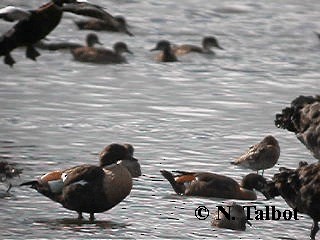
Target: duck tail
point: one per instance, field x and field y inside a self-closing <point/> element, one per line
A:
<point x="179" y="188"/>
<point x="33" y="184"/>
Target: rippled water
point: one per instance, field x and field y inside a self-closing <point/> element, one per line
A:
<point x="197" y="114"/>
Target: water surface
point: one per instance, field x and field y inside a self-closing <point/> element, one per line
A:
<point x="197" y="114"/>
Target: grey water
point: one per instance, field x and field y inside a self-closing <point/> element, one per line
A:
<point x="197" y="114"/>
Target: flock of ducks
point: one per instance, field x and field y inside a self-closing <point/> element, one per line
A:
<point x="48" y="16"/>
<point x="93" y="189"/>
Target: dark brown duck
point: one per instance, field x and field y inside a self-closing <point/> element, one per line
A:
<point x="104" y="25"/>
<point x="101" y="55"/>
<point x="102" y="20"/>
<point x="88" y="188"/>
<point x="24" y="33"/>
<point x="207" y="44"/>
<point x="300" y="188"/>
<point x="207" y="184"/>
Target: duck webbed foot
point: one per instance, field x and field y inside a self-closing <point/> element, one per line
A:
<point x="32" y="53"/>
<point x="9" y="60"/>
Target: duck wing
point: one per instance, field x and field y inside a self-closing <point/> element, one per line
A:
<point x="82" y="175"/>
<point x="90" y="10"/>
<point x="12" y="14"/>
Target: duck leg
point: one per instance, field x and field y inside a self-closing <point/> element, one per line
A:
<point x="80" y="217"/>
<point x="314" y="230"/>
<point x="32" y="53"/>
<point x="9" y="60"/>
<point x="91" y="219"/>
<point x="10" y="186"/>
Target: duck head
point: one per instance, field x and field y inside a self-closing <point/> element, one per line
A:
<point x="121" y="47"/>
<point x="92" y="39"/>
<point x="162" y="45"/>
<point x="115" y="152"/>
<point x="123" y="25"/>
<point x="255" y="181"/>
<point x="112" y="154"/>
<point x="209" y="42"/>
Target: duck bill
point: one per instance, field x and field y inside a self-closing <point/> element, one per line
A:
<point x="128" y="51"/>
<point x="218" y="46"/>
<point x="249" y="223"/>
<point x="129" y="33"/>
<point x="154" y="49"/>
<point x="134" y="159"/>
<point x="269" y="191"/>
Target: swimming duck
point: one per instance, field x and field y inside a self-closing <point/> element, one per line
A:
<point x="207" y="184"/>
<point x="303" y="118"/>
<point x="129" y="161"/>
<point x="103" y="25"/>
<point x="167" y="54"/>
<point x="88" y="188"/>
<point x="300" y="188"/>
<point x="7" y="172"/>
<point x="260" y="156"/>
<point x="237" y="220"/>
<point x="91" y="39"/>
<point x="24" y="33"/>
<point x="207" y="43"/>
<point x="98" y="12"/>
<point x="101" y="55"/>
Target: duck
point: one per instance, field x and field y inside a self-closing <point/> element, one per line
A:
<point x="24" y="33"/>
<point x="88" y="188"/>
<point x="91" y="39"/>
<point x="8" y="171"/>
<point x="104" y="25"/>
<point x="206" y="184"/>
<point x="101" y="55"/>
<point x="237" y="221"/>
<point x="131" y="163"/>
<point x="303" y="119"/>
<point x="261" y="156"/>
<point x="300" y="188"/>
<point x="167" y="55"/>
<point x="102" y="20"/>
<point x="207" y="43"/>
